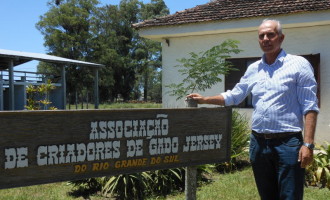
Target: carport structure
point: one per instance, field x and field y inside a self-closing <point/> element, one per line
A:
<point x="9" y="59"/>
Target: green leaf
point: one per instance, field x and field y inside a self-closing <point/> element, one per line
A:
<point x="202" y="70"/>
<point x="319" y="172"/>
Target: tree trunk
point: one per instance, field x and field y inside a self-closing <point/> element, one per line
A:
<point x="145" y="88"/>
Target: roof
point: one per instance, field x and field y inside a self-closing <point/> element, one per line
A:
<point x="236" y="9"/>
<point x="19" y="57"/>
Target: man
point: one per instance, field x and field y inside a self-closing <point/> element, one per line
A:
<point x="283" y="91"/>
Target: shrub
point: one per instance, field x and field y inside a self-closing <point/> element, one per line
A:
<point x="86" y="187"/>
<point x="240" y="136"/>
<point x="140" y="185"/>
<point x="166" y="181"/>
<point x="127" y="186"/>
<point x="38" y="96"/>
<point x="318" y="173"/>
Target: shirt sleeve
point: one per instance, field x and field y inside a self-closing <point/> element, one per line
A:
<point x="307" y="88"/>
<point x="240" y="91"/>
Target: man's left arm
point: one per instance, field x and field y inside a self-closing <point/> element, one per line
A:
<point x="305" y="153"/>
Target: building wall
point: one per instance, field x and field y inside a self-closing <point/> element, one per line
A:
<point x="20" y="97"/>
<point x="308" y="39"/>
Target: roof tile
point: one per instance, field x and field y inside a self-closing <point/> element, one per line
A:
<point x="236" y="9"/>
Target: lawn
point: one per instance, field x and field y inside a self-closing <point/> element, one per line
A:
<point x="234" y="186"/>
<point x="240" y="185"/>
<point x="117" y="106"/>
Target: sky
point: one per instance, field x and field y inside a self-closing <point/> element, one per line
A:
<point x="19" y="17"/>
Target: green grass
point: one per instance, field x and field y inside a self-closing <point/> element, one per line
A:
<point x="235" y="186"/>
<point x="117" y="106"/>
<point x="241" y="185"/>
<point x="54" y="191"/>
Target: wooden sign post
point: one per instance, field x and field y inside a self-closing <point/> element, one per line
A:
<point x="191" y="171"/>
<point x="39" y="147"/>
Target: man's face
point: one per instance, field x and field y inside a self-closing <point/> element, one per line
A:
<point x="269" y="39"/>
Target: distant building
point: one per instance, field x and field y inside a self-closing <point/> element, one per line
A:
<point x="13" y="84"/>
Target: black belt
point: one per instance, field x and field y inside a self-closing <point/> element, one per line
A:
<point x="274" y="135"/>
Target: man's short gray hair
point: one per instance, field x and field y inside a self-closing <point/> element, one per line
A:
<point x="278" y="26"/>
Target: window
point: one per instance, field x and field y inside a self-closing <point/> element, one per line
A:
<point x="241" y="65"/>
<point x="314" y="59"/>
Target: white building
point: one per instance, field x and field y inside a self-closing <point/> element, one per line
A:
<point x="306" y="25"/>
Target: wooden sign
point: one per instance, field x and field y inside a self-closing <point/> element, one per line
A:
<point x="49" y="146"/>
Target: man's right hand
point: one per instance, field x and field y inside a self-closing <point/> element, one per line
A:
<point x="196" y="96"/>
<point x="217" y="100"/>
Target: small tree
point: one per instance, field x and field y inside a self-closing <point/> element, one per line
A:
<point x="38" y="96"/>
<point x="201" y="71"/>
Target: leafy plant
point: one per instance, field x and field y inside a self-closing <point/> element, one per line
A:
<point x="318" y="173"/>
<point x="240" y="136"/>
<point x="141" y="185"/>
<point x="38" y="96"/>
<point x="201" y="71"/>
<point x="86" y="187"/>
<point x="166" y="181"/>
<point x="127" y="186"/>
<point x="204" y="172"/>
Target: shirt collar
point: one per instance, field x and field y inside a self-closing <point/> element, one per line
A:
<point x="280" y="58"/>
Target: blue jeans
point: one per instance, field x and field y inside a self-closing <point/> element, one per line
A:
<point x="276" y="169"/>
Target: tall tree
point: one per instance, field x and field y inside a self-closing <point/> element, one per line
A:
<point x="112" y="45"/>
<point x="147" y="53"/>
<point x="129" y="59"/>
<point x="105" y="49"/>
<point x="66" y="31"/>
<point x="78" y="29"/>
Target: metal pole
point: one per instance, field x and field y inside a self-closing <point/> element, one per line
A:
<point x="11" y="86"/>
<point x="191" y="172"/>
<point x="63" y="87"/>
<point x="96" y="88"/>
<point x="23" y="78"/>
